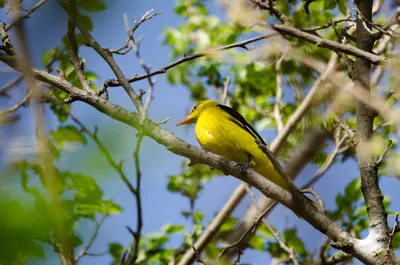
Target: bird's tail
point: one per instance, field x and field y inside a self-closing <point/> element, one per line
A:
<point x="281" y="182"/>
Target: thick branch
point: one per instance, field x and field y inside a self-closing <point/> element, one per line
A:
<point x="301" y="207"/>
<point x="294" y="167"/>
<point x="331" y="45"/>
<point x="379" y="229"/>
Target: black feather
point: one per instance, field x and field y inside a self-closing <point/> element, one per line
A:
<point x="241" y="121"/>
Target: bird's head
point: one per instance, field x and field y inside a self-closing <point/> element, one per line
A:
<point x="196" y="110"/>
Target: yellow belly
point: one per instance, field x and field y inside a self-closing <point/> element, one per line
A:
<point x="220" y="135"/>
<point x="212" y="135"/>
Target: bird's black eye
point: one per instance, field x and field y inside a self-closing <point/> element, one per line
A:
<point x="195" y="107"/>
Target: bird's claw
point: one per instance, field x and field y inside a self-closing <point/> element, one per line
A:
<point x="243" y="167"/>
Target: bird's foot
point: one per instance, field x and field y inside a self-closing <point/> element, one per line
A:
<point x="243" y="167"/>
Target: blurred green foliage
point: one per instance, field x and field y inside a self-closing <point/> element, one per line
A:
<point x="29" y="223"/>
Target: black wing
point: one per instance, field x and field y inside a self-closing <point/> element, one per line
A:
<point x="240" y="120"/>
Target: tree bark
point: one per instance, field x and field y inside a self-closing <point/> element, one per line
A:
<point x="378" y="237"/>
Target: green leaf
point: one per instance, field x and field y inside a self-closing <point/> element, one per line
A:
<point x="329" y="4"/>
<point x="2" y="3"/>
<point x="353" y="190"/>
<point x="86" y="189"/>
<point x="173" y="229"/>
<point x="292" y="240"/>
<point x="88" y="210"/>
<point x="275" y="249"/>
<point x="76" y="240"/>
<point x="198" y="217"/>
<point x="264" y="231"/>
<point x="92" y="5"/>
<point x="67" y="134"/>
<point x="257" y="242"/>
<point x="396" y="241"/>
<point x="342" y="7"/>
<point x="109" y="207"/>
<point x="115" y="249"/>
<point x="228" y="224"/>
<point x="86" y="21"/>
<point x="46" y="58"/>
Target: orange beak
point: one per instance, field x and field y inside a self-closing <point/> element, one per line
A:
<point x="185" y="120"/>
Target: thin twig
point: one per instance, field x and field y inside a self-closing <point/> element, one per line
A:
<point x="329" y="24"/>
<point x="336" y="258"/>
<point x="135" y="46"/>
<point x="306" y="6"/>
<point x="17" y="106"/>
<point x="108" y="58"/>
<point x="103" y="149"/>
<point x="163" y="121"/>
<point x="328" y="162"/>
<point x="279" y="92"/>
<point x="133" y="255"/>
<point x="163" y="70"/>
<point x="395" y="228"/>
<point x="9" y="85"/>
<point x="379" y="161"/>
<point x="270" y="6"/>
<point x="224" y="97"/>
<point x="250" y="230"/>
<point x="126" y="47"/>
<point x="311" y="191"/>
<point x="346" y="129"/>
<point x="275" y="233"/>
<point x="92" y="238"/>
<point x="21" y="17"/>
<point x="78" y="65"/>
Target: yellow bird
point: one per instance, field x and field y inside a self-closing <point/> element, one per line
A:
<point x="223" y="131"/>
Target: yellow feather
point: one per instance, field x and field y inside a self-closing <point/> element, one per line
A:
<point x="222" y="134"/>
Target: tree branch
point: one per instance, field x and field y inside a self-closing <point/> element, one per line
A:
<point x="175" y="145"/>
<point x="276" y="147"/>
<point x="78" y="65"/>
<point x="107" y="56"/>
<point x="324" y="43"/>
<point x="92" y="238"/>
<point x="395" y="229"/>
<point x="133" y="255"/>
<point x="16" y="106"/>
<point x="379" y="229"/>
<point x="279" y="93"/>
<point x="270" y="6"/>
<point x="9" y="85"/>
<point x="210" y="52"/>
<point x="25" y="15"/>
<point x="274" y="233"/>
<point x="103" y="149"/>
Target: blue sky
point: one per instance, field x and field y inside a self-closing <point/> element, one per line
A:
<point x="45" y="29"/>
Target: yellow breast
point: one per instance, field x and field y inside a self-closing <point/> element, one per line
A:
<point x="216" y="133"/>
